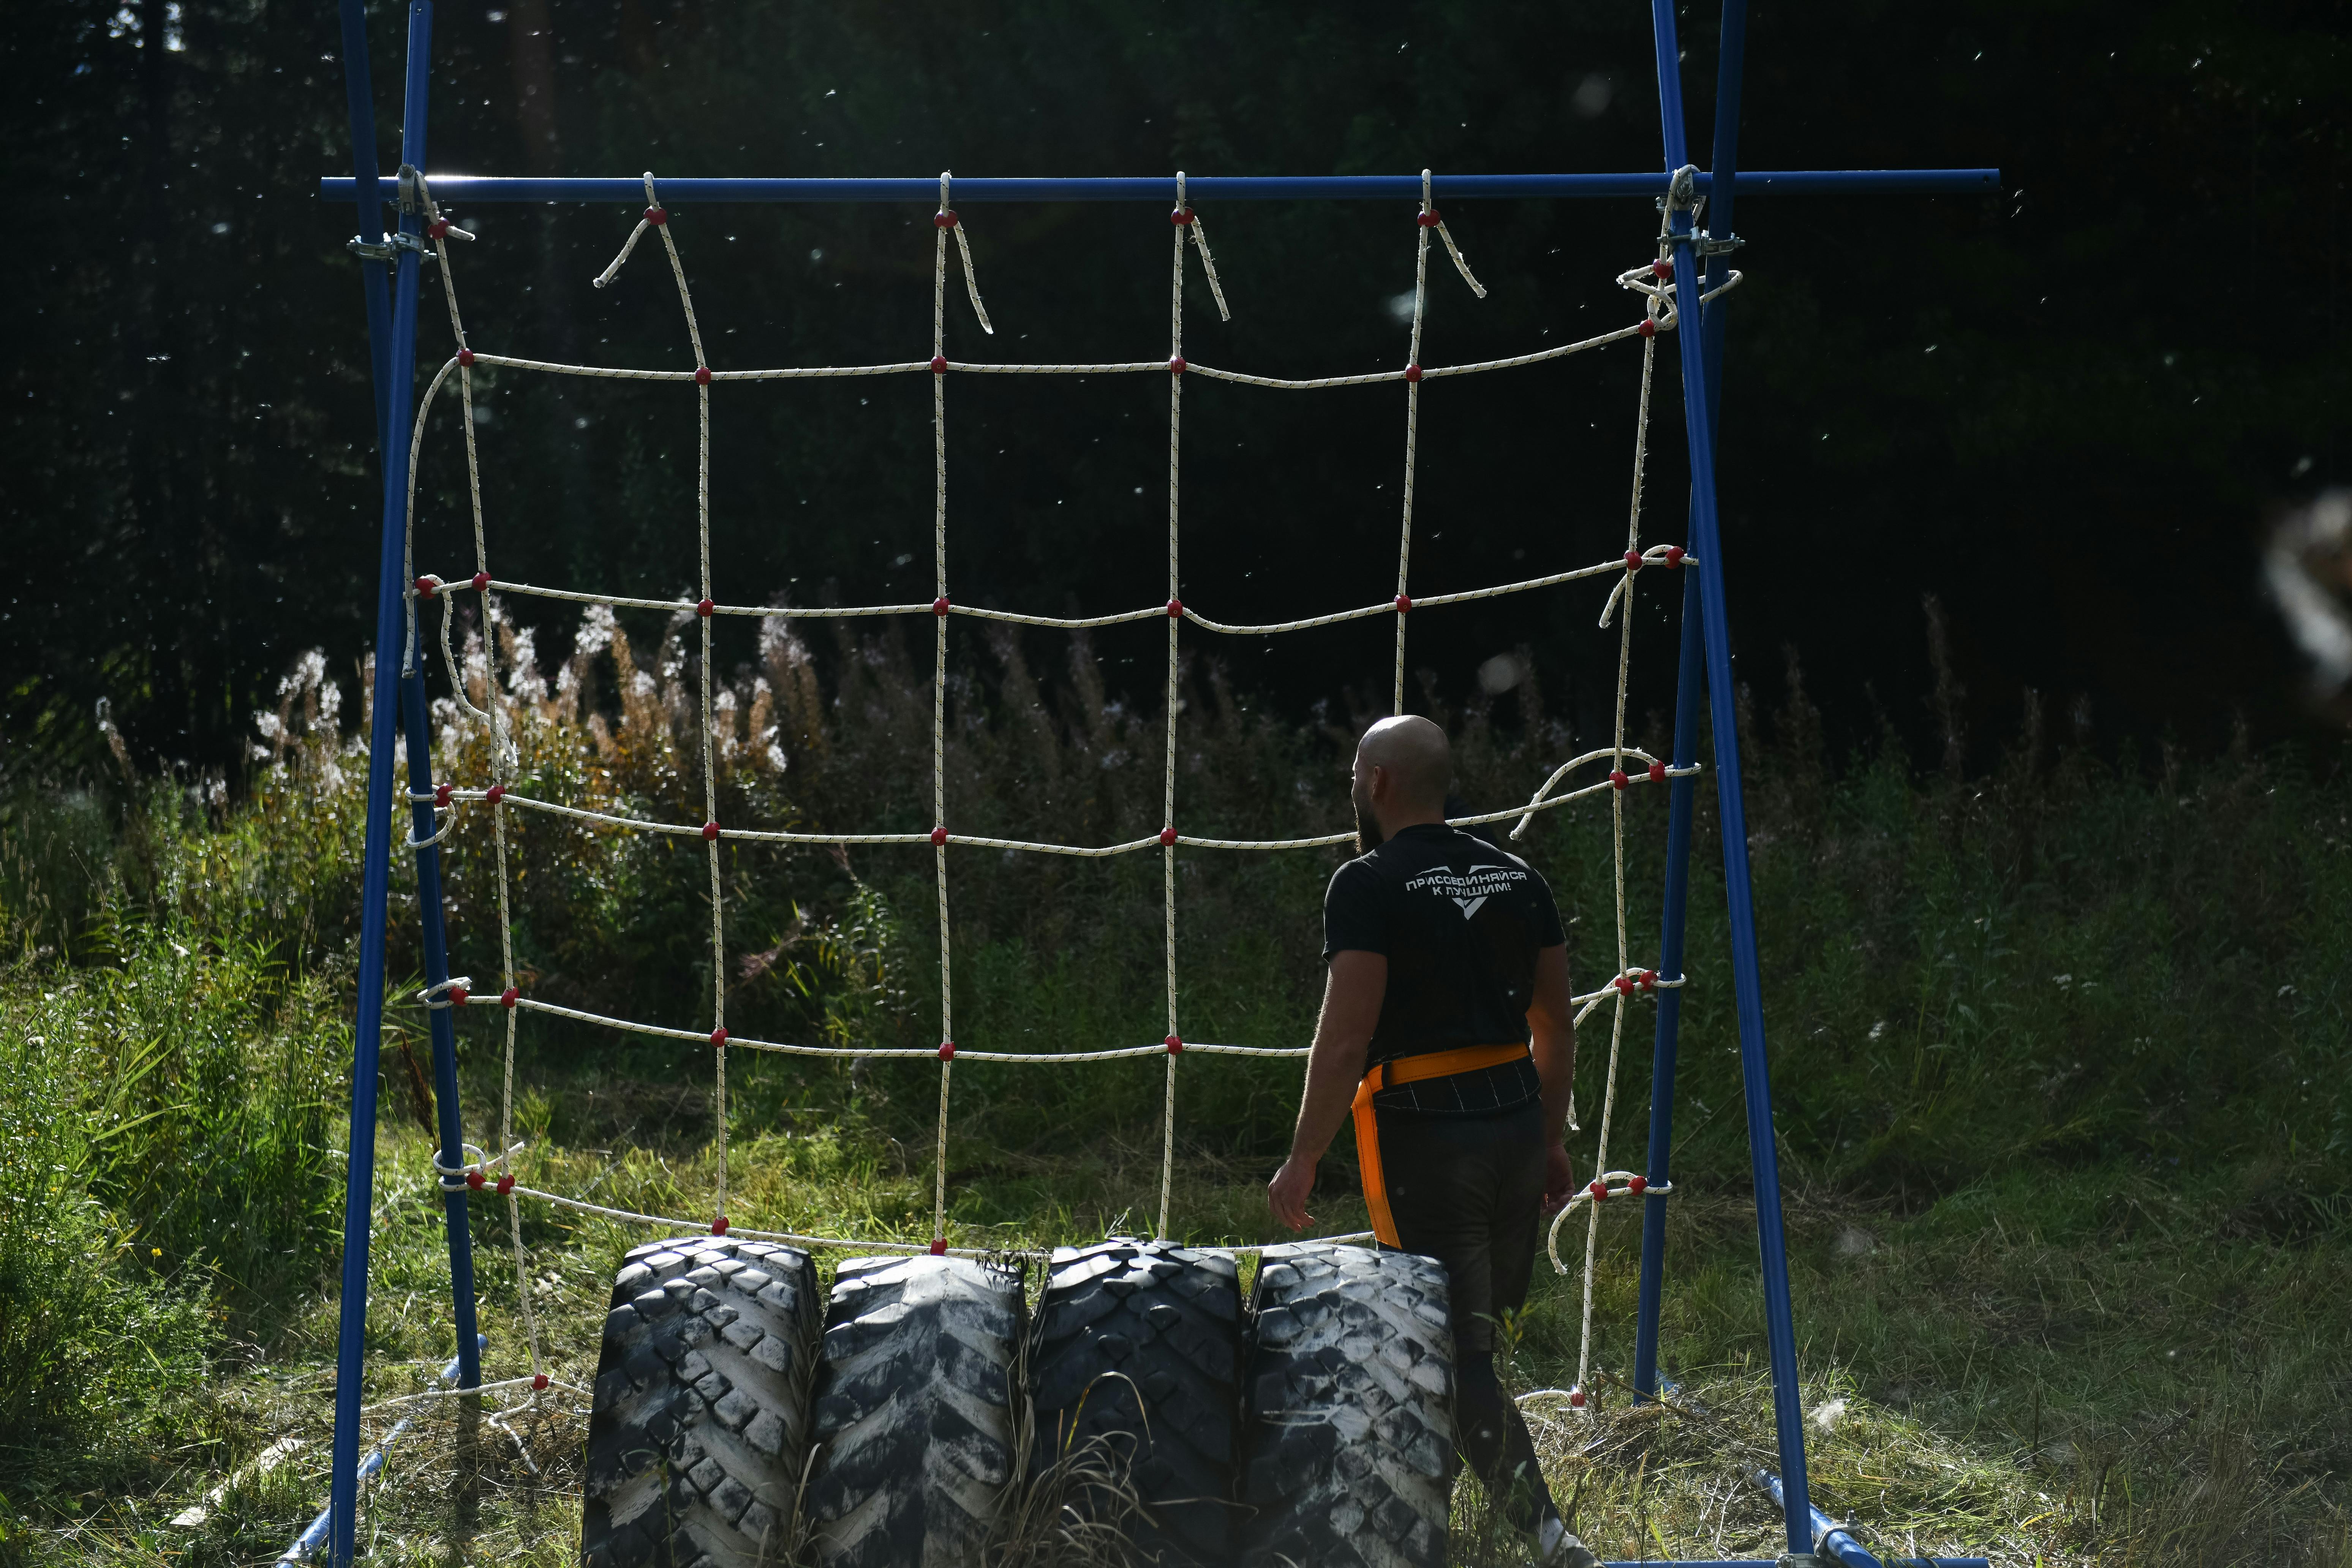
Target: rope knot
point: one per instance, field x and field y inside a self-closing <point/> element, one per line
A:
<point x="944" y="220"/>
<point x="449" y="993"/>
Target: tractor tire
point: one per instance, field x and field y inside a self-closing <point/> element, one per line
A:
<point x="1137" y="1346"/>
<point x="699" y="1418"/>
<point x="914" y="1412"/>
<point x="1349" y="1442"/>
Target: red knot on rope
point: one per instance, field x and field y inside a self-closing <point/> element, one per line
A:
<point x="449" y="993"/>
<point x="1429" y="220"/>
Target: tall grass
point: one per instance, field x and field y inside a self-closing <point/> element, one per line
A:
<point x="2066" y="959"/>
<point x="2101" y="1001"/>
<point x="174" y="1048"/>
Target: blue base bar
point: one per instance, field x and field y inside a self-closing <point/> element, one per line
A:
<point x="456" y="188"/>
<point x="315" y="1534"/>
<point x="1834" y="1541"/>
<point x="1774" y="1562"/>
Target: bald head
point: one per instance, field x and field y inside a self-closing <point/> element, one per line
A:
<point x="1403" y="767"/>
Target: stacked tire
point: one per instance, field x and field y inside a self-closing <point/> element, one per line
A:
<point x="1135" y="1386"/>
<point x="698" y="1421"/>
<point x="1350" y="1410"/>
<point x="1315" y="1429"/>
<point x="914" y="1411"/>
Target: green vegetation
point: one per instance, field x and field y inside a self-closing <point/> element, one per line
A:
<point x="2058" y="1055"/>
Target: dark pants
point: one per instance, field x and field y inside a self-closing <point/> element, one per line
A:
<point x="1468" y="1191"/>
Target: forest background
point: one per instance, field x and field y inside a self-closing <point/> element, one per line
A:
<point x="2067" y="409"/>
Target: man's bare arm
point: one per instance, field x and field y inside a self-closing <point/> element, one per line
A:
<point x="1551" y="1019"/>
<point x="1552" y="1022"/>
<point x="1352" y="993"/>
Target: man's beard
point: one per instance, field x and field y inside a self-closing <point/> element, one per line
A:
<point x="1367" y="826"/>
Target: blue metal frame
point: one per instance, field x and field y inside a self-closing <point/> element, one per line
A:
<point x="1683" y="797"/>
<point x="399" y="694"/>
<point x="457" y="188"/>
<point x="392" y="337"/>
<point x="1834" y="1541"/>
<point x="1747" y="967"/>
<point x="1775" y="1562"/>
<point x="448" y="1123"/>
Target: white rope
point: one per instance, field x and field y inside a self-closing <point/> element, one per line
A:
<point x="1168" y="773"/>
<point x="1413" y="374"/>
<point x="503" y="758"/>
<point x="945" y="220"/>
<point x="533" y="1382"/>
<point x="658" y="219"/>
<point x="1667" y="555"/>
<point x="846" y="1243"/>
<point x="1185" y="217"/>
<point x="1629" y="765"/>
<point x="963" y="249"/>
<point x="1544" y="801"/>
<point x="902" y="1053"/>
<point x="1665" y="324"/>
<point x="1658" y="299"/>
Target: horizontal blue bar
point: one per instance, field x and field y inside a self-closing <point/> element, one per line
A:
<point x="457" y="188"/>
<point x="1774" y="1562"/>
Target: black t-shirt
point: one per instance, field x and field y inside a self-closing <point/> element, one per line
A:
<point x="1460" y="922"/>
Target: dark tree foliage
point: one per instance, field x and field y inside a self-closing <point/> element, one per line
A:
<point x="2064" y="410"/>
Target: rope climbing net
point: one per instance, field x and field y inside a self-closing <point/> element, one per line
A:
<point x="1625" y="765"/>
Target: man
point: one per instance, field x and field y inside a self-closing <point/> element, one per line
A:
<point x="1446" y="1025"/>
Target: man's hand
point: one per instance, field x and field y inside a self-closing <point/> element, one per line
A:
<point x="1335" y="1064"/>
<point x="1287" y="1194"/>
<point x="1559" y="1178"/>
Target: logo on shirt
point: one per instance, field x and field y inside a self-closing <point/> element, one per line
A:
<point x="1470" y="887"/>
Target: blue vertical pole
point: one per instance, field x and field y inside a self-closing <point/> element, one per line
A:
<point x="1682" y="794"/>
<point x="1727" y="85"/>
<point x="395" y="353"/>
<point x="435" y="943"/>
<point x="1682" y="798"/>
<point x="1747" y="967"/>
<point x="445" y="1029"/>
<point x="374" y="276"/>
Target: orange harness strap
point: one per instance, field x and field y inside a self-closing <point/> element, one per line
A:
<point x="1388" y="1075"/>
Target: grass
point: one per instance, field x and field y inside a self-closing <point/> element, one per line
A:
<point x="2058" y="1054"/>
<point x="2052" y="1390"/>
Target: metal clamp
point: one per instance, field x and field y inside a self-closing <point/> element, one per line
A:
<point x="388" y="249"/>
<point x="412" y="189"/>
<point x="1704" y="244"/>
